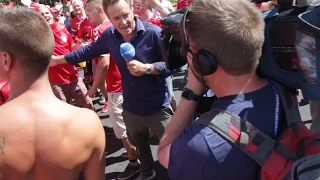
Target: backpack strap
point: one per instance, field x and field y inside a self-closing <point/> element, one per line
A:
<point x="240" y="133"/>
<point x="289" y="103"/>
<point x="243" y="135"/>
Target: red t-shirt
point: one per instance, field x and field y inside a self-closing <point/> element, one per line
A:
<point x="75" y="24"/>
<point x="62" y="73"/>
<point x="113" y="76"/>
<point x="98" y="30"/>
<point x="85" y="30"/>
<point x="155" y="19"/>
<point x="183" y="3"/>
<point x="4" y="91"/>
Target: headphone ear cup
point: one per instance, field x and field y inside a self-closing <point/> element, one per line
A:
<point x="206" y="62"/>
<point x="196" y="64"/>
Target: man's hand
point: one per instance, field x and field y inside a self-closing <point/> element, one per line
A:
<point x="136" y="68"/>
<point x="84" y="44"/>
<point x="157" y="5"/>
<point x="55" y="60"/>
<point x="91" y="92"/>
<point x="74" y="46"/>
<point x="153" y="3"/>
<point x="265" y="6"/>
<point x="194" y="84"/>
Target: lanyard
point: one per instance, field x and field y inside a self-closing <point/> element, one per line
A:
<point x="277" y="107"/>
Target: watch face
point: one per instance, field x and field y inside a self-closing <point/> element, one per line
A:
<point x="186" y="94"/>
<point x="148" y="70"/>
<point x="189" y="95"/>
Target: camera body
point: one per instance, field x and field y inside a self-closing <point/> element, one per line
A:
<point x="172" y="40"/>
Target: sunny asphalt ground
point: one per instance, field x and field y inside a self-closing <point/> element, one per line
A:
<point x="115" y="163"/>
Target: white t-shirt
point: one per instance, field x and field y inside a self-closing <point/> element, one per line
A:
<point x="209" y="93"/>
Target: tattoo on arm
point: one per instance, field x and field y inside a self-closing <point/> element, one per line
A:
<point x="2" y="144"/>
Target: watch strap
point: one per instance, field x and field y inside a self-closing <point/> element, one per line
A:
<point x="188" y="94"/>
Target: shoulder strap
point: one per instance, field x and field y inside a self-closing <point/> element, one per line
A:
<point x="243" y="135"/>
<point x="240" y="133"/>
<point x="289" y="103"/>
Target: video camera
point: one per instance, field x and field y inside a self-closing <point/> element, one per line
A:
<point x="291" y="51"/>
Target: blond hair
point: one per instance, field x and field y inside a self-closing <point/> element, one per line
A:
<point x="233" y="30"/>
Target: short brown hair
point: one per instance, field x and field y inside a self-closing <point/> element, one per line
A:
<point x="27" y="36"/>
<point x="233" y="30"/>
<point x="95" y="3"/>
<point x="107" y="3"/>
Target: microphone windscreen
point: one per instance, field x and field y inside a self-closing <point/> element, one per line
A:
<point x="127" y="51"/>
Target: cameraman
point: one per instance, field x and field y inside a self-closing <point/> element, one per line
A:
<point x="193" y="151"/>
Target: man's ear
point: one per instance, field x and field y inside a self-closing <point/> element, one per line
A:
<point x="100" y="10"/>
<point x="6" y="60"/>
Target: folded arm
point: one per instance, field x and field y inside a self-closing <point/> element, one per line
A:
<point x="161" y="68"/>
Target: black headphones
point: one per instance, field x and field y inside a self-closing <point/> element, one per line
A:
<point x="204" y="61"/>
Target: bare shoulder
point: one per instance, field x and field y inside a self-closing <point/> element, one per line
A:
<point x="86" y="116"/>
<point x="87" y="121"/>
<point x="81" y="123"/>
<point x="90" y="129"/>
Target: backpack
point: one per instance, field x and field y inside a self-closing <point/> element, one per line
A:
<point x="280" y="59"/>
<point x="294" y="155"/>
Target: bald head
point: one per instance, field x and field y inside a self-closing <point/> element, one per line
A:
<point x="78" y="7"/>
<point x="77" y="2"/>
<point x="26" y="40"/>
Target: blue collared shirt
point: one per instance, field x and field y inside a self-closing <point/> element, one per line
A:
<point x="144" y="95"/>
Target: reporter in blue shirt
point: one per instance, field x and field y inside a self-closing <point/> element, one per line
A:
<point x="146" y="103"/>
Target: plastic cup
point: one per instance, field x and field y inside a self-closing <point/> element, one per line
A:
<point x="83" y="64"/>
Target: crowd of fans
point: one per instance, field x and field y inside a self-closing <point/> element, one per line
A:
<point x="137" y="93"/>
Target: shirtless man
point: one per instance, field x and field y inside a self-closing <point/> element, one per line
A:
<point x="48" y="139"/>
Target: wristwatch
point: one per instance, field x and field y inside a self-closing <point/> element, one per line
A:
<point x="190" y="95"/>
<point x="148" y="69"/>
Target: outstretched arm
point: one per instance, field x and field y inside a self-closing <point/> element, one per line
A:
<point x="89" y="52"/>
